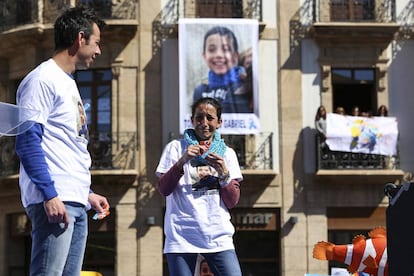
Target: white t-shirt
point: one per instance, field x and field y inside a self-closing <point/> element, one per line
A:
<point x="54" y="93"/>
<point x="196" y="218"/>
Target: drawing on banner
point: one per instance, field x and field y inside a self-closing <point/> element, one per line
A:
<point x="373" y="135"/>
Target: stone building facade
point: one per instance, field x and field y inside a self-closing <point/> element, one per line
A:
<point x="291" y="196"/>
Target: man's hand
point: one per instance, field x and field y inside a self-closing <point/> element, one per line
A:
<point x="56" y="211"/>
<point x="99" y="204"/>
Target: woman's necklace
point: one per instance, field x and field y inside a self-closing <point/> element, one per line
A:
<point x="217" y="145"/>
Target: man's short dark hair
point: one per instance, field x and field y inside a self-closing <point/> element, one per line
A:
<point x="71" y="22"/>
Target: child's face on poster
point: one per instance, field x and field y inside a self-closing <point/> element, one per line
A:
<point x="219" y="54"/>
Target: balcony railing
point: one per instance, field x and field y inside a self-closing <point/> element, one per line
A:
<point x="9" y="162"/>
<point x="255" y="152"/>
<point x="15" y="13"/>
<point x="229" y="9"/>
<point x="109" y="151"/>
<point x="172" y="11"/>
<point x="354" y="11"/>
<point x="338" y="160"/>
<point x="112" y="151"/>
<point x="107" y="9"/>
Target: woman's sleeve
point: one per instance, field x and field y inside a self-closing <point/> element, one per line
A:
<point x="230" y="193"/>
<point x="169" y="181"/>
<point x="230" y="190"/>
<point x="168" y="172"/>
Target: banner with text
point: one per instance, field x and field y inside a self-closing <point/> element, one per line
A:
<point x="218" y="58"/>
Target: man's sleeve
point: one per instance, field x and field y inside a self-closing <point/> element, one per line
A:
<point x="32" y="158"/>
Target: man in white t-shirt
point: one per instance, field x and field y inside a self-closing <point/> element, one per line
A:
<point x="54" y="173"/>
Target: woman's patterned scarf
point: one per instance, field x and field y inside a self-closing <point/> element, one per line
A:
<point x="217" y="145"/>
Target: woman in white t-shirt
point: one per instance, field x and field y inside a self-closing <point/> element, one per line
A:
<point x="197" y="218"/>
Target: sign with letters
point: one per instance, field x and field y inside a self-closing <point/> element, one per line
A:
<point x="251" y="219"/>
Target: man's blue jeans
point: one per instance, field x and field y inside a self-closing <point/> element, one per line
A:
<point x="223" y="263"/>
<point x="57" y="251"/>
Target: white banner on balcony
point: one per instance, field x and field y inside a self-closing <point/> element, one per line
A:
<point x="373" y="135"/>
<point x="218" y="58"/>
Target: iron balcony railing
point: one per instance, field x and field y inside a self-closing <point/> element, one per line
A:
<point x="9" y="162"/>
<point x="15" y="13"/>
<point x="255" y="152"/>
<point x="229" y="9"/>
<point x="113" y="151"/>
<point x="338" y="160"/>
<point x="353" y="11"/>
<point x="109" y="151"/>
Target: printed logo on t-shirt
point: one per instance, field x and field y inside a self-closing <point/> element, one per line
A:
<point x="82" y="126"/>
<point x="205" y="179"/>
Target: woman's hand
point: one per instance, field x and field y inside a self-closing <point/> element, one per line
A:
<point x="191" y="152"/>
<point x="217" y="162"/>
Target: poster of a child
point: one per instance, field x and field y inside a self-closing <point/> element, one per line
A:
<point x="218" y="59"/>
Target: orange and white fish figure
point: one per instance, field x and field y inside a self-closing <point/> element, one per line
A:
<point x="363" y="255"/>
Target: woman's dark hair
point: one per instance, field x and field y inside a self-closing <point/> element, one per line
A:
<point x="382" y="111"/>
<point x="71" y="22"/>
<point x="222" y="31"/>
<point x="318" y="113"/>
<point x="207" y="100"/>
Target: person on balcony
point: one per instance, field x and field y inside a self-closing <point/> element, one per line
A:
<point x="197" y="217"/>
<point x="382" y="111"/>
<point x="320" y="120"/>
<point x="355" y="111"/>
<point x="340" y="110"/>
<point x="54" y="172"/>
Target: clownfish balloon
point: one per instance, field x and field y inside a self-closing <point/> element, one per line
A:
<point x="363" y="255"/>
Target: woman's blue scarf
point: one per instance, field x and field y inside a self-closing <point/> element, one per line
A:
<point x="231" y="77"/>
<point x="217" y="145"/>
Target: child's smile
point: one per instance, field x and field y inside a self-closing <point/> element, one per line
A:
<point x="219" y="54"/>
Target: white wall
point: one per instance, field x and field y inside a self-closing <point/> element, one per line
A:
<point x="401" y="86"/>
<point x="311" y="100"/>
<point x="268" y="94"/>
<point x="401" y="101"/>
<point x="401" y="7"/>
<point x="170" y="90"/>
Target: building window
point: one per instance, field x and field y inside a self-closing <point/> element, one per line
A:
<point x="354" y="88"/>
<point x="257" y="240"/>
<point x="352" y="10"/>
<point x="96" y="92"/>
<point x="219" y="8"/>
<point x="95" y="87"/>
<point x="344" y="223"/>
<point x="238" y="143"/>
<point x="103" y="7"/>
<point x="23" y="11"/>
<point x="18" y="244"/>
<point x="342" y="237"/>
<point x="101" y="246"/>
